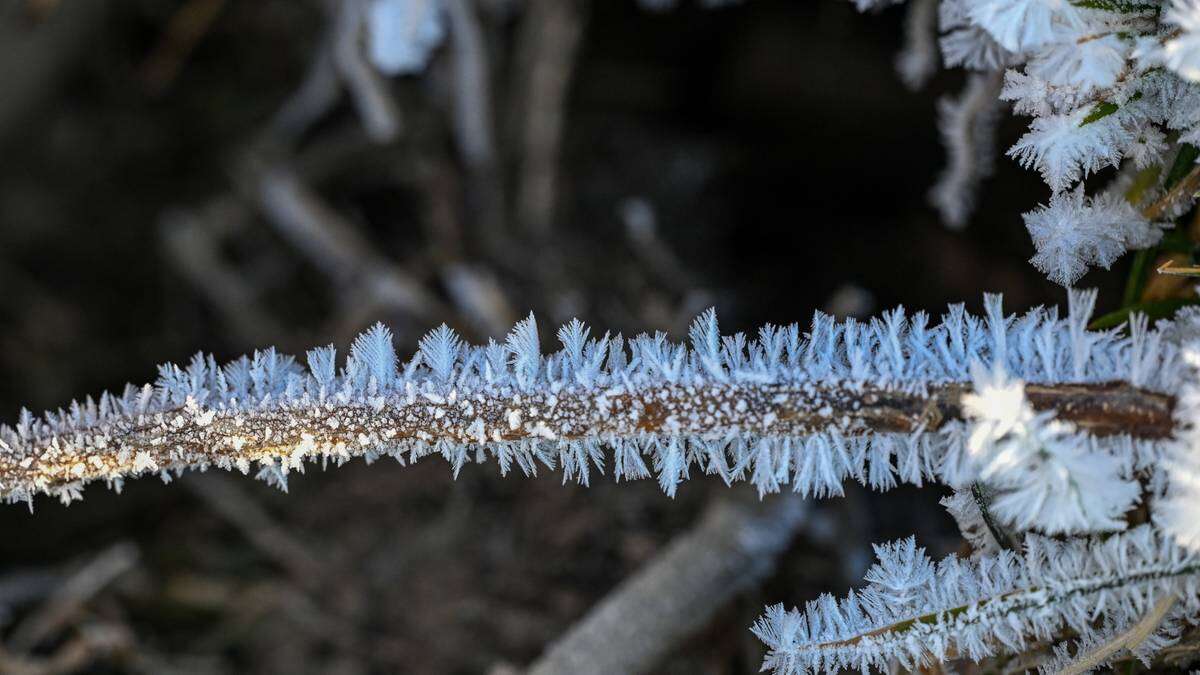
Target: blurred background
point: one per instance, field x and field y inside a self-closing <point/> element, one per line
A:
<point x="178" y="175"/>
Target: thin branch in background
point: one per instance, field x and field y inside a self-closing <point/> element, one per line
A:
<point x="734" y="546"/>
<point x="184" y="31"/>
<point x="316" y="96"/>
<point x="192" y="240"/>
<point x="368" y="88"/>
<point x="478" y="296"/>
<point x="92" y="643"/>
<point x="473" y="104"/>
<point x="69" y="599"/>
<point x="302" y="217"/>
<point x="658" y="259"/>
<point x="227" y="500"/>
<point x="473" y="120"/>
<point x="918" y="58"/>
<point x="546" y="51"/>
<point x="968" y="128"/>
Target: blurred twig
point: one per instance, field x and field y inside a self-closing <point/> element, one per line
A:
<point x="186" y="27"/>
<point x="227" y="500"/>
<point x="734" y="545"/>
<point x="549" y="38"/>
<point x="68" y="599"/>
<point x="369" y="90"/>
<point x="302" y="217"/>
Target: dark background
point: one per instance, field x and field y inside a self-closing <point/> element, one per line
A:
<point x="781" y="155"/>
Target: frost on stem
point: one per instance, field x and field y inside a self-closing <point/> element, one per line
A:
<point x="1049" y="476"/>
<point x="880" y="402"/>
<point x="914" y="612"/>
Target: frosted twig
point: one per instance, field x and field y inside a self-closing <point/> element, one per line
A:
<point x="916" y="612"/>
<point x="879" y="402"/>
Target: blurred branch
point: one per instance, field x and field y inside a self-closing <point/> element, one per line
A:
<point x="66" y="602"/>
<point x="369" y="90"/>
<point x="302" y="217"/>
<point x="192" y="240"/>
<point x="223" y="496"/>
<point x="76" y="654"/>
<point x="734" y="545"/>
<point x="187" y="26"/>
<point x="546" y="48"/>
<point x="34" y="58"/>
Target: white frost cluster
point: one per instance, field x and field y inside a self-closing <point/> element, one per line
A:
<point x="1179" y="511"/>
<point x="1181" y="52"/>
<point x="1049" y="476"/>
<point x="1108" y="83"/>
<point x="1074" y="231"/>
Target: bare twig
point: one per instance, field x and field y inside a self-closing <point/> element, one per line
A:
<point x="549" y="38"/>
<point x="186" y="27"/>
<point x="334" y="245"/>
<point x="473" y="114"/>
<point x="369" y="90"/>
<point x="65" y="603"/>
<point x="226" y="499"/>
<point x="734" y="545"/>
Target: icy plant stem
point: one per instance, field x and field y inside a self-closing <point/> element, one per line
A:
<point x="1033" y="600"/>
<point x="191" y="436"/>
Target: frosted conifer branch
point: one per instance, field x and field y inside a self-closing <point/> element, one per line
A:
<point x="915" y="612"/>
<point x="880" y="402"/>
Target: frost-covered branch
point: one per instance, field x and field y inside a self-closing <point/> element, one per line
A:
<point x="880" y="402"/>
<point x="916" y="612"/>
